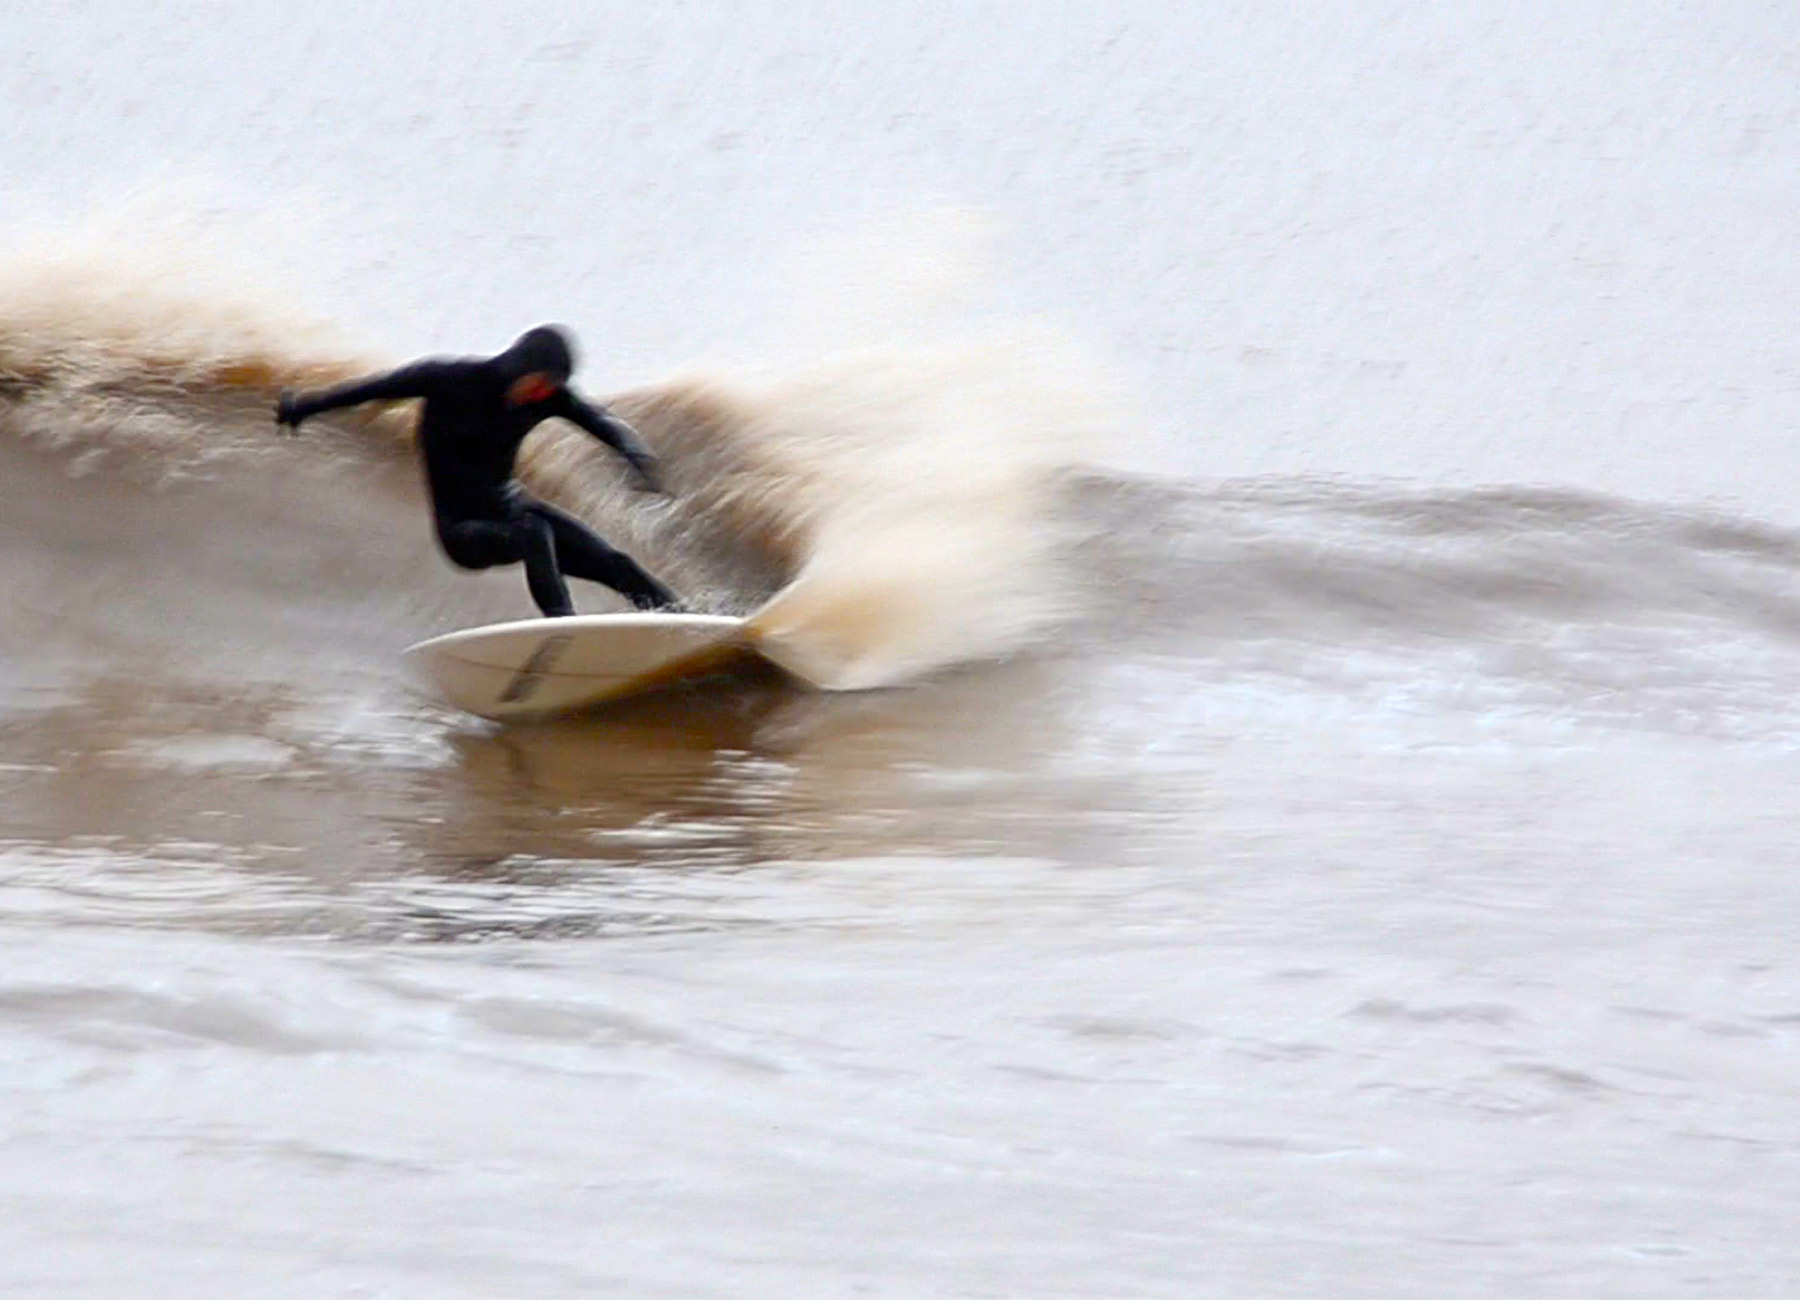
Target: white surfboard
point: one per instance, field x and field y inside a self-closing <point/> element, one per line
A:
<point x="543" y="666"/>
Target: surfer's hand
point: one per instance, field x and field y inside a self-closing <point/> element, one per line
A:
<point x="646" y="476"/>
<point x="287" y="412"/>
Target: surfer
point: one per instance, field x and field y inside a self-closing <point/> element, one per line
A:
<point x="477" y="412"/>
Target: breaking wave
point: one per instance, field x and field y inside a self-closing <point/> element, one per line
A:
<point x="903" y="495"/>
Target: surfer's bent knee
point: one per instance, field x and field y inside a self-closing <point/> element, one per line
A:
<point x="478" y="544"/>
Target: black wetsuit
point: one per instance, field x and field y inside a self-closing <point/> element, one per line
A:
<point x="469" y="435"/>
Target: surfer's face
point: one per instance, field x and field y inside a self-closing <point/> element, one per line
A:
<point x="534" y="387"/>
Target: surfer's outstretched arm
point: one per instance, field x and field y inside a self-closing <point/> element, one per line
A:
<point x="415" y="380"/>
<point x="615" y="433"/>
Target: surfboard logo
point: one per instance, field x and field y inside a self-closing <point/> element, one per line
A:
<point x="531" y="673"/>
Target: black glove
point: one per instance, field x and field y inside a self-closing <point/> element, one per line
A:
<point x="646" y="473"/>
<point x="287" y="412"/>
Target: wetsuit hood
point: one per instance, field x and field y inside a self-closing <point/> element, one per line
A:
<point x="545" y="350"/>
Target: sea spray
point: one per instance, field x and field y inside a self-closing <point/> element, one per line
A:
<point x="113" y="326"/>
<point x="905" y="493"/>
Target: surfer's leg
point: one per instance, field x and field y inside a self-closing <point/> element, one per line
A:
<point x="541" y="572"/>
<point x="479" y="543"/>
<point x="485" y="543"/>
<point x="583" y="555"/>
